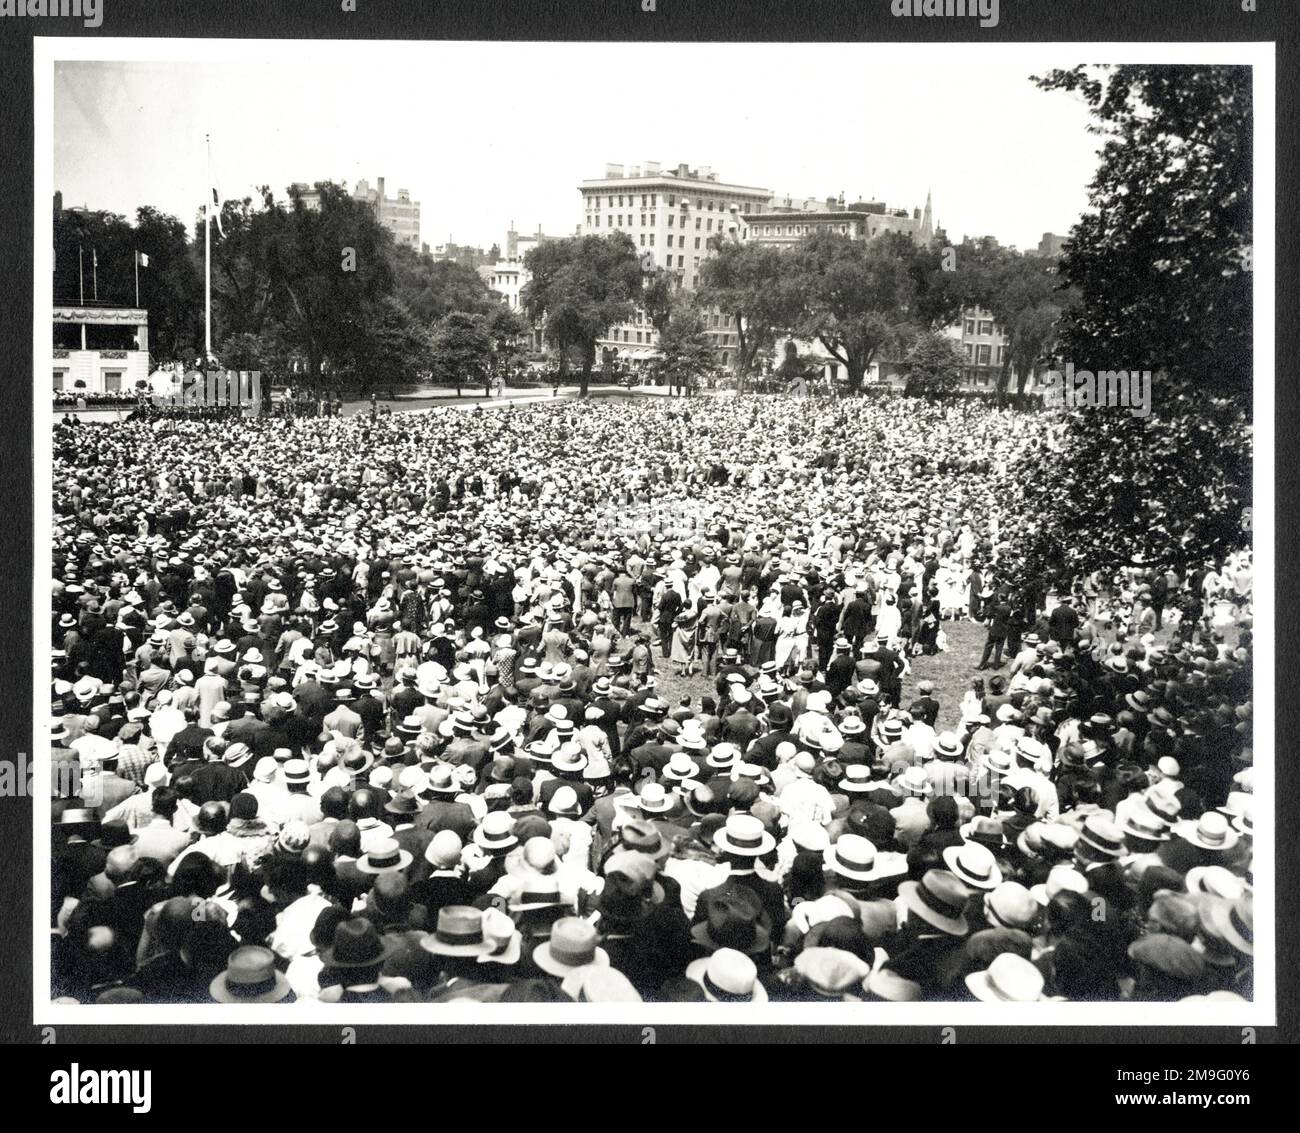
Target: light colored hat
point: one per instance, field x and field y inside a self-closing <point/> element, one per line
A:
<point x="744" y="835"/>
<point x="1210" y="832"/>
<point x="974" y="864"/>
<point x="572" y="945"/>
<point x="727" y="976"/>
<point x="855" y="857"/>
<point x="1009" y="979"/>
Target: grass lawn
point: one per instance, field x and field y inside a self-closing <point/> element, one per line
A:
<point x="951" y="672"/>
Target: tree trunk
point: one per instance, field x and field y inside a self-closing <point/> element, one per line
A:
<point x="856" y="374"/>
<point x="1005" y="374"/>
<point x="588" y="360"/>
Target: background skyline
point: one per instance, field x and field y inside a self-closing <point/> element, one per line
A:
<point x="483" y="134"/>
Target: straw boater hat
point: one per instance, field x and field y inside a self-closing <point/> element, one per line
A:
<point x="1009" y="979"/>
<point x="652" y="799"/>
<point x="727" y="976"/>
<point x="745" y="836"/>
<point x="1060" y="878"/>
<point x="681" y="768"/>
<point x="495" y="834"/>
<point x="973" y="864"/>
<point x="1232" y="922"/>
<point x="385" y="856"/>
<point x="723" y="755"/>
<point x="459" y="932"/>
<point x="856" y="858"/>
<point x="857" y="779"/>
<point x="1210" y="832"/>
<point x="939" y="899"/>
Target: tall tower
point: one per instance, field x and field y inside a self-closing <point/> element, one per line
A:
<point x="927" y="226"/>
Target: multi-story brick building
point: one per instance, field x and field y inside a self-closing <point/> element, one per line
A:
<point x="671" y="216"/>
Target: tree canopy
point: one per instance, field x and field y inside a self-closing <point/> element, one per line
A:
<point x="582" y="286"/>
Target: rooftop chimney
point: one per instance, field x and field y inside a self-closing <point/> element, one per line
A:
<point x="613" y="171"/>
<point x="381" y="188"/>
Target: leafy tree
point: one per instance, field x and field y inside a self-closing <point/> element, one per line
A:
<point x="1161" y="260"/>
<point x="1168" y="490"/>
<point x="1024" y="294"/>
<point x="171" y="286"/>
<point x="659" y="297"/>
<point x="933" y="365"/>
<point x="1162" y="286"/>
<point x="581" y="286"/>
<point x="462" y="350"/>
<point x="686" y="353"/>
<point x="860" y="297"/>
<point x="754" y="284"/>
<point x="507" y="330"/>
<point x="396" y="348"/>
<point x="432" y="288"/>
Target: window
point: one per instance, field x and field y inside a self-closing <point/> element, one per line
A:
<point x="654" y="199"/>
<point x="970" y="351"/>
<point x="982" y="355"/>
<point x="638" y="338"/>
<point x="643" y="239"/>
<point x="671" y="217"/>
<point x="652" y="239"/>
<point x="611" y="202"/>
<point x="709" y="227"/>
<point x="710" y="206"/>
<point x="697" y="224"/>
<point x="699" y="204"/>
<point x="767" y="230"/>
<point x="671" y="202"/>
<point x="620" y="202"/>
<point x="644" y="198"/>
<point x="844" y="229"/>
<point x="697" y="242"/>
<point x="986" y="326"/>
<point x="1002" y="353"/>
<point x="697" y="262"/>
<point x="715" y="321"/>
<point x="681" y="261"/>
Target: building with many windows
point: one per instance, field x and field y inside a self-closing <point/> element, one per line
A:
<point x="670" y="215"/>
<point x="787" y="220"/>
<point x="400" y="215"/>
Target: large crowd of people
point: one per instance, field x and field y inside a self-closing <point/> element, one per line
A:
<point x="627" y="700"/>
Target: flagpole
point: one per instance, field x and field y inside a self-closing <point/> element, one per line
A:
<point x="137" y="277"/>
<point x="207" y="259"/>
<point x="81" y="289"/>
<point x="94" y="272"/>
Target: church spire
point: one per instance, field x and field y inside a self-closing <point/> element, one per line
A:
<point x="927" y="225"/>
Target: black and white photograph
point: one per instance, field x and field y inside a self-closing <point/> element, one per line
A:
<point x="718" y="532"/>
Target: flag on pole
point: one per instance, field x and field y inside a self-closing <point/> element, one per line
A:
<point x="142" y="259"/>
<point x="216" y="213"/>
